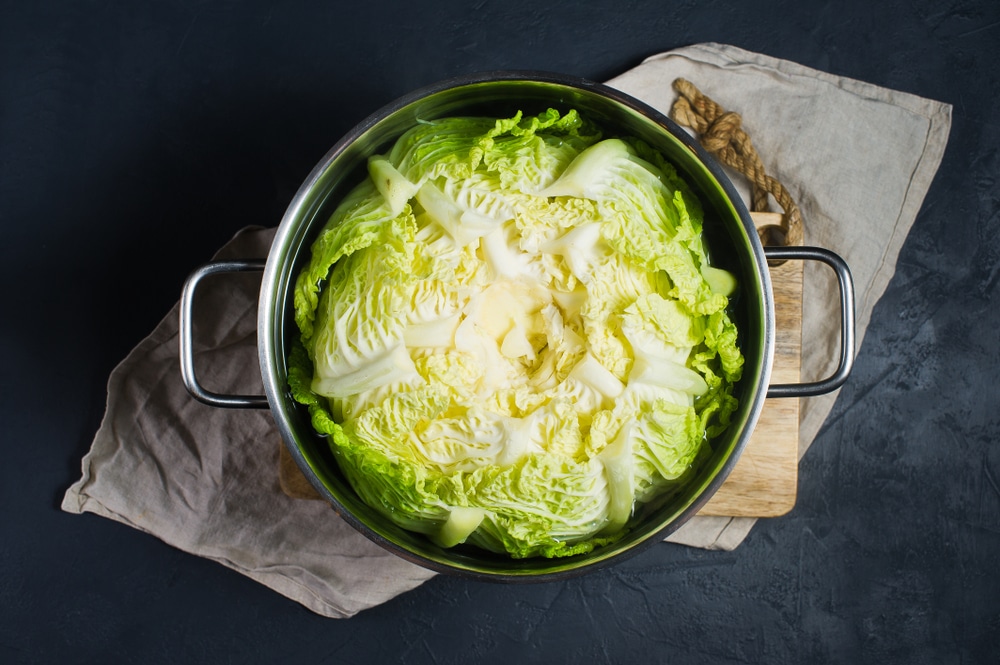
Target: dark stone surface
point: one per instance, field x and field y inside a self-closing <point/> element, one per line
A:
<point x="135" y="138"/>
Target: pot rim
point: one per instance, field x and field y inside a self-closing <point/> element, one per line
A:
<point x="275" y="290"/>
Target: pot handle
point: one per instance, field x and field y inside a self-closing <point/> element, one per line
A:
<point x="186" y="346"/>
<point x="846" y="284"/>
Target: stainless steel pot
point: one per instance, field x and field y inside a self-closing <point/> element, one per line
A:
<point x="732" y="241"/>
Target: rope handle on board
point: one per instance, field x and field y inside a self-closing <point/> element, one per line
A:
<point x="721" y="133"/>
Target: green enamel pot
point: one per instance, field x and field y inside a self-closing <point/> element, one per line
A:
<point x="729" y="233"/>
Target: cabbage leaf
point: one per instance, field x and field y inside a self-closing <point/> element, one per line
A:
<point x="511" y="334"/>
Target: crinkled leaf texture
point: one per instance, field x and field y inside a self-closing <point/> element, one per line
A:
<point x="508" y="336"/>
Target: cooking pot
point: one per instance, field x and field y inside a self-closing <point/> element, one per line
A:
<point x="729" y="233"/>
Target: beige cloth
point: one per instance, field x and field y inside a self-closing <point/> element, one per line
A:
<point x="858" y="159"/>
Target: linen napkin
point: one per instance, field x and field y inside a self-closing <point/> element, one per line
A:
<point x="857" y="158"/>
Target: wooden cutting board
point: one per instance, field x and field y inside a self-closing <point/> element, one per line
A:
<point x="764" y="481"/>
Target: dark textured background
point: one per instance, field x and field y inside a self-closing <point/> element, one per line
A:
<point x="136" y="137"/>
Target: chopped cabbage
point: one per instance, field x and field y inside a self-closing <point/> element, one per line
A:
<point x="512" y="335"/>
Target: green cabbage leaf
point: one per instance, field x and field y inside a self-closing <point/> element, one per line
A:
<point x="511" y="335"/>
